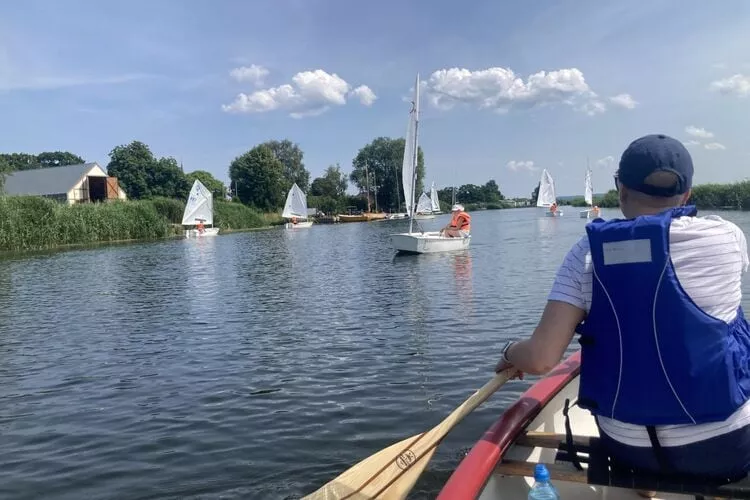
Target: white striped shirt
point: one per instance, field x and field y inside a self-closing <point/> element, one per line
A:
<point x="709" y="256"/>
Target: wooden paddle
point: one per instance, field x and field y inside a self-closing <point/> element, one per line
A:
<point x="393" y="471"/>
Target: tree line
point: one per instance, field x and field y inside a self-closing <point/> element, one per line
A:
<point x="262" y="176"/>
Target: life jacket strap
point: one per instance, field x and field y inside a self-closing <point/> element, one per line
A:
<point x="572" y="452"/>
<point x="661" y="457"/>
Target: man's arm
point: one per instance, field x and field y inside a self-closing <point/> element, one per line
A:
<point x="546" y="347"/>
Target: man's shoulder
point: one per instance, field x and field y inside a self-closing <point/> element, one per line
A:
<point x="705" y="225"/>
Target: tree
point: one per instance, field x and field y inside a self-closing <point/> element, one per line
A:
<point x="142" y="175"/>
<point x="259" y="178"/>
<point x="24" y="161"/>
<point x="58" y="159"/>
<point x="332" y="183"/>
<point x="491" y="192"/>
<point x="217" y="188"/>
<point x="383" y="161"/>
<point x="290" y="156"/>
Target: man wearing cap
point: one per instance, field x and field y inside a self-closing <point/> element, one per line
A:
<point x="460" y="224"/>
<point x="665" y="347"/>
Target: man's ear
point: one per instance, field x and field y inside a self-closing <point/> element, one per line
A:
<point x="686" y="197"/>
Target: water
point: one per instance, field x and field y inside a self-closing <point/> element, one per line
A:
<point x="258" y="365"/>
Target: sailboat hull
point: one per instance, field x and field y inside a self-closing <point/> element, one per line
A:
<point x="209" y="231"/>
<point x="553" y="214"/>
<point x="428" y="242"/>
<point x="424" y="216"/>
<point x="299" y="225"/>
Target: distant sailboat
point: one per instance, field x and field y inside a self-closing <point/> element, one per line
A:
<point x="295" y="209"/>
<point x="424" y="208"/>
<point x="419" y="242"/>
<point x="434" y="200"/>
<point x="546" y="196"/>
<point x="588" y="196"/>
<point x="199" y="208"/>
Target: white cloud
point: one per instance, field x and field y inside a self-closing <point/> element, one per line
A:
<point x="365" y="94"/>
<point x="515" y="166"/>
<point x="254" y="74"/>
<point x="607" y="162"/>
<point x="692" y="142"/>
<point x="500" y="89"/>
<point x="624" y="101"/>
<point x="714" y="145"/>
<point x="698" y="132"/>
<point x="738" y="85"/>
<point x="311" y="93"/>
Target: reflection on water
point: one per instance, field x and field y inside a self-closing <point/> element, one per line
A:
<point x="258" y="365"/>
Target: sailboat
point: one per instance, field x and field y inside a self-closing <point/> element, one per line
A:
<point x="199" y="208"/>
<point x="296" y="208"/>
<point x="424" y="208"/>
<point x="434" y="200"/>
<point x="419" y="242"/>
<point x="588" y="196"/>
<point x="546" y="196"/>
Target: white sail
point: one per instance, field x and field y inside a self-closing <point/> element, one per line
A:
<point x="588" y="193"/>
<point x="546" y="190"/>
<point x="434" y="199"/>
<point x="199" y="207"/>
<point x="296" y="204"/>
<point x="424" y="205"/>
<point x="409" y="165"/>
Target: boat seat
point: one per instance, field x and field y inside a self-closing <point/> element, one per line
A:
<point x="602" y="470"/>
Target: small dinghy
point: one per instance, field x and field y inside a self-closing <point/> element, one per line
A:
<point x="500" y="466"/>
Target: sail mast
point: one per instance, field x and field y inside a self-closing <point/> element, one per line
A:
<point x="414" y="153"/>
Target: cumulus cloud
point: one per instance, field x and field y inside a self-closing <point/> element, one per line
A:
<point x="500" y="89"/>
<point x="692" y="142"/>
<point x="698" y="132"/>
<point x="607" y="162"/>
<point x="310" y="93"/>
<point x="516" y="166"/>
<point x="624" y="101"/>
<point x="365" y="95"/>
<point x="714" y="146"/>
<point x="737" y="85"/>
<point x="254" y="74"/>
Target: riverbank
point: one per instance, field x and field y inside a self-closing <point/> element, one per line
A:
<point x="29" y="223"/>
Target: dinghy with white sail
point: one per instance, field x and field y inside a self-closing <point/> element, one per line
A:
<point x="419" y="242"/>
<point x="199" y="212"/>
<point x="295" y="209"/>
<point x="546" y="197"/>
<point x="588" y="196"/>
<point x="424" y="208"/>
<point x="434" y="200"/>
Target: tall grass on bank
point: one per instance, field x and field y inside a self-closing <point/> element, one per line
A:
<point x="35" y="223"/>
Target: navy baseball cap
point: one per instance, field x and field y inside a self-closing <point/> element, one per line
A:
<point x="656" y="153"/>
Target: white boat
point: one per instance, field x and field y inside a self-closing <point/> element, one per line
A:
<point x="546" y="196"/>
<point x="500" y="466"/>
<point x="588" y="196"/>
<point x="419" y="242"/>
<point x="199" y="208"/>
<point x="434" y="200"/>
<point x="424" y="208"/>
<point x="295" y="209"/>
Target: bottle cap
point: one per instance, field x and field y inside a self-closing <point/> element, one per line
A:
<point x="541" y="473"/>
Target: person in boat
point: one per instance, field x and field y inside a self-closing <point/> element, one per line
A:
<point x="553" y="207"/>
<point x="460" y="224"/>
<point x="294" y="221"/>
<point x="200" y="227"/>
<point x="595" y="211"/>
<point x="665" y="346"/>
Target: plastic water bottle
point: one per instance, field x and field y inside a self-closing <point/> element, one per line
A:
<point x="542" y="489"/>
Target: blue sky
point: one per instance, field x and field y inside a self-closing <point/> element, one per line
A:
<point x="508" y="87"/>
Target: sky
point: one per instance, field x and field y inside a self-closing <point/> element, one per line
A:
<point x="507" y="88"/>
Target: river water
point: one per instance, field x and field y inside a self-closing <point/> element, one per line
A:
<point x="263" y="364"/>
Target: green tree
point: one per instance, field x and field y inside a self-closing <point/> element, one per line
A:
<point x="332" y="183"/>
<point x="383" y="161"/>
<point x="290" y="156"/>
<point x="258" y="176"/>
<point x="491" y="192"/>
<point x="142" y="175"/>
<point x="217" y="188"/>
<point x="58" y="159"/>
<point x="535" y="194"/>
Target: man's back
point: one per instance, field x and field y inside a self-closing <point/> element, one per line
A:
<point x="709" y="256"/>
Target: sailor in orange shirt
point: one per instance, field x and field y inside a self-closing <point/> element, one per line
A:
<point x="460" y="225"/>
<point x="200" y="226"/>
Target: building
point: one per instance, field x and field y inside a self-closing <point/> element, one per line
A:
<point x="67" y="184"/>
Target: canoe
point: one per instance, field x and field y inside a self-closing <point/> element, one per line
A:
<point x="500" y="465"/>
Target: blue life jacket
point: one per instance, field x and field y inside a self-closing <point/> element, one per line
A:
<point x="649" y="355"/>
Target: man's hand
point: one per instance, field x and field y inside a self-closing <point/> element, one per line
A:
<point x="502" y="365"/>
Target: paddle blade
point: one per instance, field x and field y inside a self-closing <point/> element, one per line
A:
<point x="389" y="474"/>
